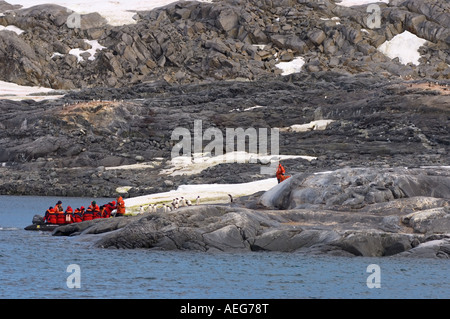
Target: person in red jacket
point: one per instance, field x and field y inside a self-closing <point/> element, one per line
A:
<point x="59" y="212"/>
<point x="95" y="209"/>
<point x="88" y="214"/>
<point x="280" y="173"/>
<point x="68" y="215"/>
<point x="58" y="207"/>
<point x="108" y="208"/>
<point x="50" y="216"/>
<point x="120" y="207"/>
<point x="77" y="216"/>
<point x="60" y="218"/>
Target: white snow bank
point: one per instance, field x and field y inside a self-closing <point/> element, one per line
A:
<point x="94" y="47"/>
<point x="247" y="109"/>
<point x="351" y="3"/>
<point x="12" y="28"/>
<point x="318" y="125"/>
<point x="404" y="46"/>
<point x="117" y="12"/>
<point x="12" y="91"/>
<point x="209" y="193"/>
<point x="293" y="66"/>
<point x="184" y="165"/>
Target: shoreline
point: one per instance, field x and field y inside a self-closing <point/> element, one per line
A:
<point x="404" y="219"/>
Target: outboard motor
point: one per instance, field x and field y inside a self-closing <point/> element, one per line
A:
<point x="38" y="220"/>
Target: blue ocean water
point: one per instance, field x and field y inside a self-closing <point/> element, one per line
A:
<point x="38" y="265"/>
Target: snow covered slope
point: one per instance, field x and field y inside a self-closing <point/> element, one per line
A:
<point x="117" y="12"/>
<point x="12" y="91"/>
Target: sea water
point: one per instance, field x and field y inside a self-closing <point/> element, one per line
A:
<point x="34" y="264"/>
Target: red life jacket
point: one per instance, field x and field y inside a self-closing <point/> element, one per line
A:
<point x="94" y="210"/>
<point x="60" y="218"/>
<point x="97" y="212"/>
<point x="107" y="209"/>
<point x="77" y="216"/>
<point x="58" y="208"/>
<point x="88" y="215"/>
<point x="50" y="216"/>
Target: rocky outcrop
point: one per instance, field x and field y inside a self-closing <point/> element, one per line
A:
<point x="69" y="147"/>
<point x="190" y="41"/>
<point x="312" y="224"/>
<point x="366" y="189"/>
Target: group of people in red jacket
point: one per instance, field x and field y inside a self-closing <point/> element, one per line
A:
<point x="57" y="215"/>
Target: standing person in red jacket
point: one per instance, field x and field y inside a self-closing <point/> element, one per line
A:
<point x="120" y="207"/>
<point x="280" y="173"/>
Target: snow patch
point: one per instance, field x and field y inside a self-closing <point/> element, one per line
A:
<point x="12" y="28"/>
<point x="253" y="108"/>
<point x="404" y="46"/>
<point x="209" y="193"/>
<point x="12" y="91"/>
<point x="318" y="125"/>
<point x="184" y="165"/>
<point x="293" y="66"/>
<point x="351" y="3"/>
<point x="56" y="54"/>
<point x="94" y="47"/>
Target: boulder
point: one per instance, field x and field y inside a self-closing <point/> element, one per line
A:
<point x="227" y="20"/>
<point x="357" y="187"/>
<point x="317" y="36"/>
<point x="432" y="221"/>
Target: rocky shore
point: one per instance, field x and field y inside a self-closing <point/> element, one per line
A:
<point x="347" y="212"/>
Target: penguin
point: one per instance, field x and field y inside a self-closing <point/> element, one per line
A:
<point x="197" y="201"/>
<point x="188" y="202"/>
<point x="176" y="203"/>
<point x="183" y="202"/>
<point x="141" y="209"/>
